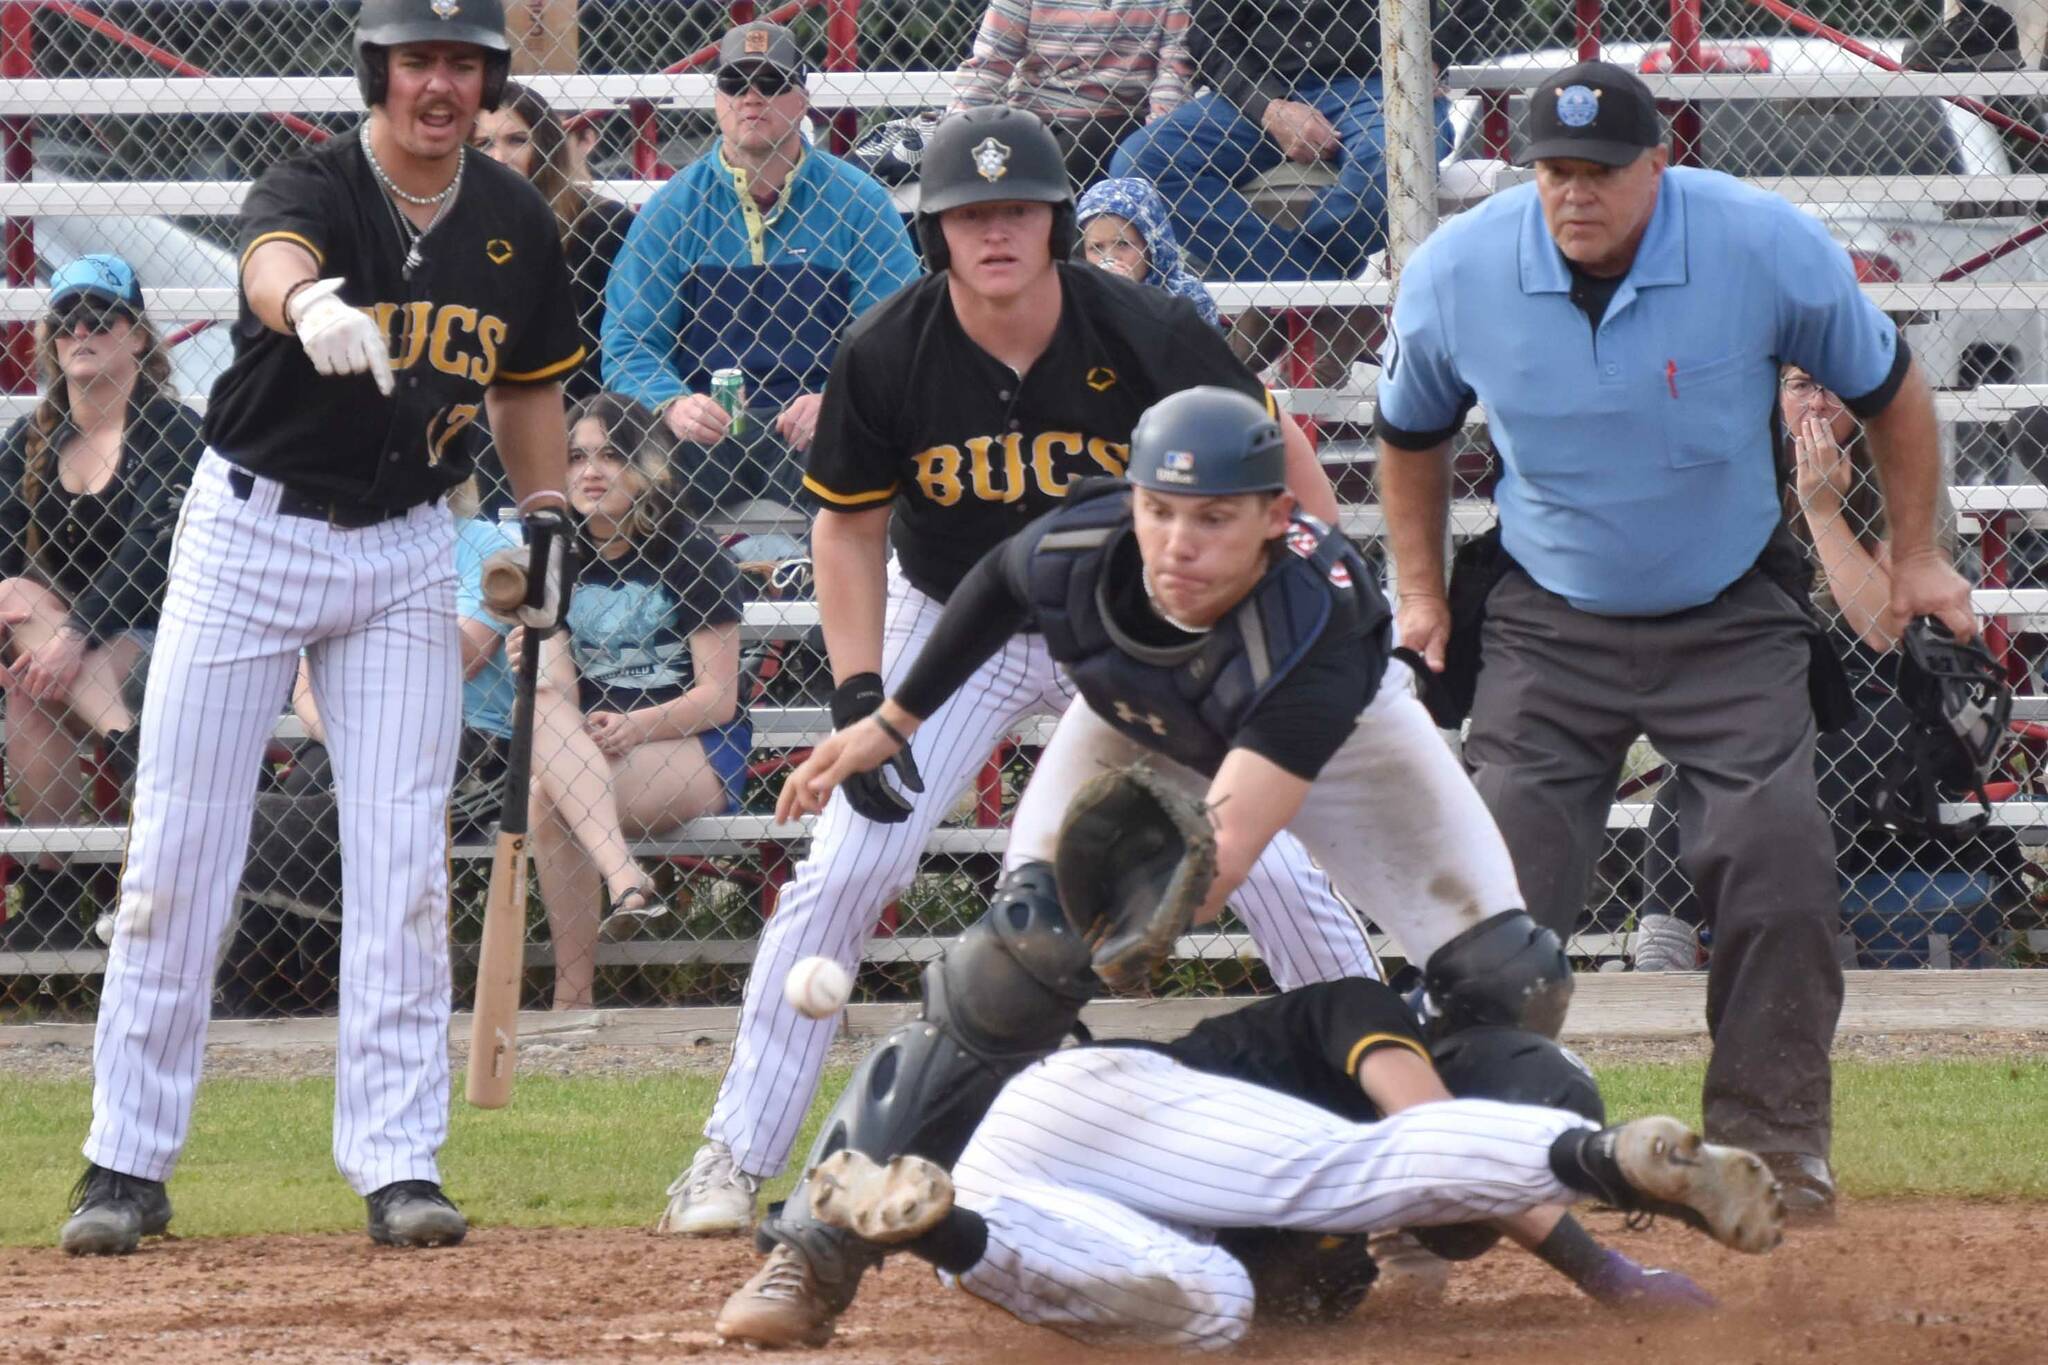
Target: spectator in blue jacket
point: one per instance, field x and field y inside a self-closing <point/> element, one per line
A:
<point x="755" y="257"/>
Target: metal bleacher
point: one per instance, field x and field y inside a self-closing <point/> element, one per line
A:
<point x="784" y="729"/>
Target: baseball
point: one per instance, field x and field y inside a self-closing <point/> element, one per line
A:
<point x="504" y="582"/>
<point x="817" y="987"/>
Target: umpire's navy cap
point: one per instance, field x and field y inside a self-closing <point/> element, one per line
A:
<point x="1595" y="111"/>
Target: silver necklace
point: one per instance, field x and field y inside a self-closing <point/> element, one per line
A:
<point x="1145" y="576"/>
<point x="409" y="234"/>
<point x="416" y="200"/>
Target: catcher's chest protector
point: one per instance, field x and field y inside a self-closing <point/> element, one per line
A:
<point x="1189" y="700"/>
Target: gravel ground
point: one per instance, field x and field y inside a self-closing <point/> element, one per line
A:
<point x="707" y="1056"/>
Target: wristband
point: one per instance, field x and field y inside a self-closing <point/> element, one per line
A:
<point x="284" y="308"/>
<point x="902" y="741"/>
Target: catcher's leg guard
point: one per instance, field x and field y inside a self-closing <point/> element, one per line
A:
<point x="1506" y="969"/>
<point x="1002" y="997"/>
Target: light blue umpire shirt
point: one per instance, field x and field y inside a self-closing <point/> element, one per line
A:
<point x="1636" y="466"/>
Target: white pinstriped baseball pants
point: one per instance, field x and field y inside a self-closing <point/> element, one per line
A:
<point x="1102" y="1173"/>
<point x="1392" y="817"/>
<point x="374" y="610"/>
<point x="856" y="867"/>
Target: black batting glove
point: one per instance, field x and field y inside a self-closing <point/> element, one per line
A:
<point x="870" y="794"/>
<point x="856" y="699"/>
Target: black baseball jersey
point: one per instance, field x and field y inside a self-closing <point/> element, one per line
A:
<point x="1306" y="1043"/>
<point x="490" y="303"/>
<point x="1158" y="684"/>
<point x="915" y="411"/>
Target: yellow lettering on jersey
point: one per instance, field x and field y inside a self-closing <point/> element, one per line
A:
<point x="1045" y="448"/>
<point x="981" y="451"/>
<point x="441" y="429"/>
<point x="938" y="474"/>
<point x="490" y="334"/>
<point x="1111" y="455"/>
<point x="450" y="318"/>
<point x="416" y="321"/>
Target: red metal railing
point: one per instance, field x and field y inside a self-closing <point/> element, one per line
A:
<point x="17" y="164"/>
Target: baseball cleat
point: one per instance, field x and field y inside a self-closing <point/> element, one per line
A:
<point x="711" y="1198"/>
<point x="886" y="1204"/>
<point x="779" y="1308"/>
<point x="111" y="1213"/>
<point x="414" y="1213"/>
<point x="1731" y="1191"/>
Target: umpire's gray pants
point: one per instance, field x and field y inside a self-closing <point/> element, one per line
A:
<point x="1721" y="691"/>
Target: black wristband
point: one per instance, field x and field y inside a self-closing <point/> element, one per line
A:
<point x="1571" y="1251"/>
<point x="955" y="1244"/>
<point x="902" y="740"/>
<point x="856" y="699"/>
<point x="284" y="307"/>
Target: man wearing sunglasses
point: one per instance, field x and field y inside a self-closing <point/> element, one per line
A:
<point x="755" y="257"/>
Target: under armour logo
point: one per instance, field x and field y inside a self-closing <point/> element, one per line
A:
<point x="1128" y="716"/>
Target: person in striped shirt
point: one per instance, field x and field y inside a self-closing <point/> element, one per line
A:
<point x="1094" y="70"/>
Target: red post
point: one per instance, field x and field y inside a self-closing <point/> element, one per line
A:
<point x="1586" y="22"/>
<point x="842" y="53"/>
<point x="646" y="139"/>
<point x="1496" y="129"/>
<point x="17" y="164"/>
<point x="1685" y="60"/>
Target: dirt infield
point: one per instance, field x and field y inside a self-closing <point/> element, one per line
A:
<point x="1893" y="1284"/>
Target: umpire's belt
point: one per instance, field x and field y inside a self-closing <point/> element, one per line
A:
<point x="339" y="513"/>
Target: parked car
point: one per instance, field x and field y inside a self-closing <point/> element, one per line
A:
<point x="1909" y="238"/>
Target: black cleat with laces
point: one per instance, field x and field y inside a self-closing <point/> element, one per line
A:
<point x="414" y="1213"/>
<point x="111" y="1213"/>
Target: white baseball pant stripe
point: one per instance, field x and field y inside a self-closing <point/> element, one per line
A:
<point x="857" y="866"/>
<point x="374" y="610"/>
<point x="1103" y="1171"/>
<point x="1392" y="818"/>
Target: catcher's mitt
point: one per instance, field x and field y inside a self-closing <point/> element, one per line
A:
<point x="1136" y="859"/>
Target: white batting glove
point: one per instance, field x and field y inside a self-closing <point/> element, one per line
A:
<point x="547" y="536"/>
<point x="339" y="338"/>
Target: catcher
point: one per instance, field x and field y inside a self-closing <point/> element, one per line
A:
<point x="1245" y="651"/>
<point x="1173" y="1195"/>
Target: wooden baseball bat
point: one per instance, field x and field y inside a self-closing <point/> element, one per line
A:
<point x="494" y="1035"/>
<point x="504" y="582"/>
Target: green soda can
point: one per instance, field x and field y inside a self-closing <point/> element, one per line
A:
<point x="729" y="391"/>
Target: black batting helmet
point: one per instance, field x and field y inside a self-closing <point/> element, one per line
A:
<point x="990" y="155"/>
<point x="1515" y="1066"/>
<point x="385" y="24"/>
<point x="1961" y="708"/>
<point x="1210" y="442"/>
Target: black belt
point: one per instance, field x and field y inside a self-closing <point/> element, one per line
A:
<point x="339" y="513"/>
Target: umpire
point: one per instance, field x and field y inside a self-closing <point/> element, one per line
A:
<point x="1623" y="323"/>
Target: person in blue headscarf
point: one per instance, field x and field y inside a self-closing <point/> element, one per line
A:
<point x="1124" y="228"/>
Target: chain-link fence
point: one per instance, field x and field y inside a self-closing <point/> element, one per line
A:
<point x="716" y="272"/>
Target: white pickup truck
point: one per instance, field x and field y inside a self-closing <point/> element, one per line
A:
<point x="1909" y="238"/>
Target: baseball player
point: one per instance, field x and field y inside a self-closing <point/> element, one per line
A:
<point x="1244" y="651"/>
<point x="392" y="286"/>
<point x="957" y="410"/>
<point x="1173" y="1195"/>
